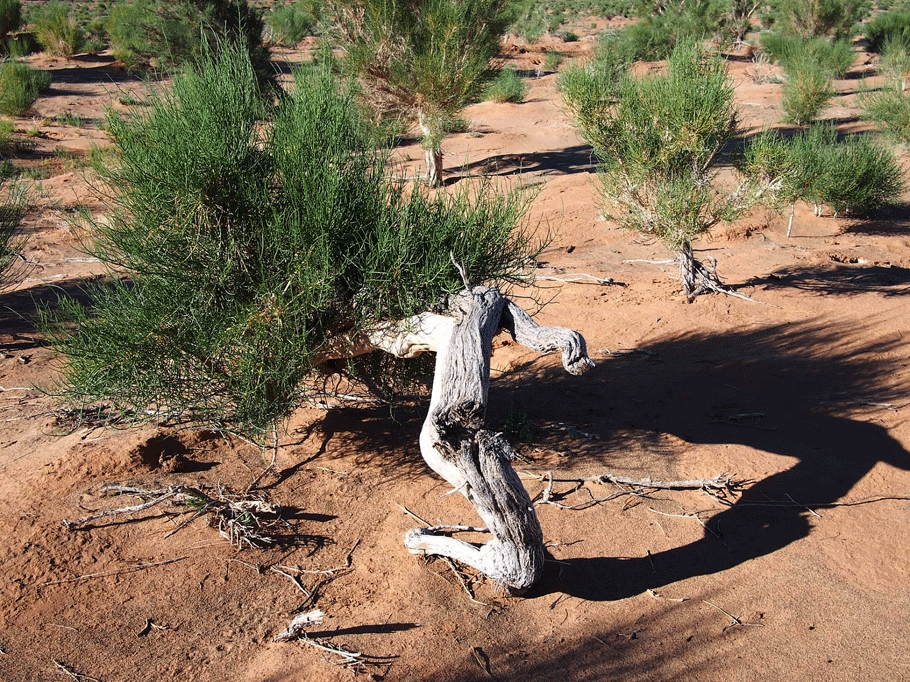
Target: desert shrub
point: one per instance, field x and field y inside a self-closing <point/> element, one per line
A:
<point x="528" y="19"/>
<point x="662" y="25"/>
<point x="167" y="34"/>
<point x="508" y="86"/>
<point x="569" y="37"/>
<point x="11" y="205"/>
<point x="832" y="18"/>
<point x="860" y="176"/>
<point x="57" y="30"/>
<point x="552" y="60"/>
<point x="832" y="56"/>
<point x="590" y="90"/>
<point x="807" y="90"/>
<point x="892" y="25"/>
<point x="10" y="21"/>
<point x="657" y="138"/>
<point x="889" y="108"/>
<point x="856" y="174"/>
<point x="289" y="24"/>
<point x="20" y="86"/>
<point x="243" y="253"/>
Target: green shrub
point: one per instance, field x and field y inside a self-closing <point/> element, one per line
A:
<point x="507" y="87"/>
<point x="166" y="34"/>
<point x="290" y="24"/>
<point x="244" y="253"/>
<point x="10" y="243"/>
<point x="569" y="37"/>
<point x="20" y="86"/>
<point x="893" y="25"/>
<point x="890" y="109"/>
<point x="552" y="61"/>
<point x="832" y="56"/>
<point x="860" y="176"/>
<point x="10" y="21"/>
<point x="857" y="174"/>
<point x="528" y="20"/>
<point x="657" y="139"/>
<point x="832" y="18"/>
<point x="807" y="91"/>
<point x="57" y="30"/>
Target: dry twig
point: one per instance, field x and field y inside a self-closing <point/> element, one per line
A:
<point x="69" y="670"/>
<point x="129" y="569"/>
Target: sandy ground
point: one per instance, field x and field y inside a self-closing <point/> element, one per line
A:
<point x="801" y="396"/>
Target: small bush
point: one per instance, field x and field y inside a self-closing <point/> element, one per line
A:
<point x="167" y="34"/>
<point x="890" y="109"/>
<point x="290" y="24"/>
<point x="857" y="174"/>
<point x="508" y="86"/>
<point x="893" y="25"/>
<point x="20" y="86"/>
<point x="832" y="18"/>
<point x="832" y="56"/>
<point x="10" y="20"/>
<point x="57" y="30"/>
<point x="860" y="176"/>
<point x="807" y="91"/>
<point x="10" y="243"/>
<point x="552" y="60"/>
<point x="569" y="37"/>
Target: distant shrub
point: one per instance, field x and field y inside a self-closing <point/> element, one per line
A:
<point x="529" y="20"/>
<point x="508" y="86"/>
<point x="856" y="175"/>
<point x="832" y="18"/>
<point x="552" y="60"/>
<point x="166" y="34"/>
<point x="807" y="91"/>
<point x="58" y="31"/>
<point x="20" y="86"/>
<point x="10" y="20"/>
<point x="570" y="37"/>
<point x="833" y="56"/>
<point x="893" y="25"/>
<point x="290" y="24"/>
<point x="860" y="176"/>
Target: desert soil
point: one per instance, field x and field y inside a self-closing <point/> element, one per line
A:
<point x="801" y="397"/>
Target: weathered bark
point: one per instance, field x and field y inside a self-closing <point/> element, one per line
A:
<point x="475" y="461"/>
<point x="697" y="278"/>
<point x="431" y="138"/>
<point x="433" y="159"/>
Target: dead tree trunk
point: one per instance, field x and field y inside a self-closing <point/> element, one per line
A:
<point x="698" y="278"/>
<point x="475" y="461"/>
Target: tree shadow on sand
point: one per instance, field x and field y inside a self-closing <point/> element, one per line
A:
<point x="817" y="386"/>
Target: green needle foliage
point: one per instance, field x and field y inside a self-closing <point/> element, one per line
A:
<point x="657" y="139"/>
<point x="855" y="175"/>
<point x="424" y="59"/>
<point x="10" y="243"/>
<point x="244" y="251"/>
<point x="20" y="85"/>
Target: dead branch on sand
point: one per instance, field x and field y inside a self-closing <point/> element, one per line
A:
<point x="242" y="520"/>
<point x="640" y="487"/>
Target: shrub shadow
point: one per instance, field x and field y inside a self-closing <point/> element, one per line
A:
<point x="839" y="280"/>
<point x="809" y="381"/>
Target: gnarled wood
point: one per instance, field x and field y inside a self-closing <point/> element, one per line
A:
<point x="477" y="462"/>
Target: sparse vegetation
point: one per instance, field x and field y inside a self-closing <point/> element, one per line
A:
<point x="289" y="24"/>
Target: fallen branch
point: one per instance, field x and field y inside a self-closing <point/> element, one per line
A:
<point x="736" y="620"/>
<point x="129" y="569"/>
<point x="581" y="278"/>
<point x="69" y="670"/>
<point x="297" y="627"/>
<point x="640" y="487"/>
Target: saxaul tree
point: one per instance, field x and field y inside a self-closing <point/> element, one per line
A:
<point x="658" y="138"/>
<point x="251" y="248"/>
<point x="423" y="59"/>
